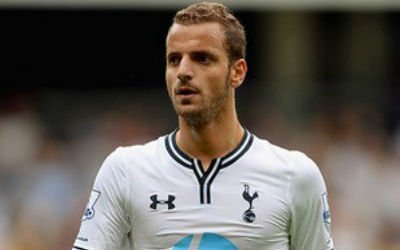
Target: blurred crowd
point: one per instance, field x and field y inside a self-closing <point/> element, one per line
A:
<point x="52" y="144"/>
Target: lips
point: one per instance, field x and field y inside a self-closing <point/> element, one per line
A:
<point x="185" y="91"/>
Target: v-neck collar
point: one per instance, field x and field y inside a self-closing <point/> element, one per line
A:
<point x="206" y="178"/>
<point x="185" y="160"/>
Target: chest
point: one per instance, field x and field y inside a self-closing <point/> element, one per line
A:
<point x="233" y="208"/>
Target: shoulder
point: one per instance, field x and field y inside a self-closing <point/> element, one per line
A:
<point x="293" y="159"/>
<point x="126" y="155"/>
<point x="139" y="151"/>
<point x="306" y="177"/>
<point x="302" y="171"/>
<point x="306" y="183"/>
<point x="116" y="168"/>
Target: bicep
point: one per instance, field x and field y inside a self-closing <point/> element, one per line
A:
<point x="105" y="223"/>
<point x="310" y="220"/>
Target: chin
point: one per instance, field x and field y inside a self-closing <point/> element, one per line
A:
<point x="196" y="117"/>
<point x="189" y="112"/>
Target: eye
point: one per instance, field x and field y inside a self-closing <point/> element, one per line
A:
<point x="173" y="59"/>
<point x="202" y="57"/>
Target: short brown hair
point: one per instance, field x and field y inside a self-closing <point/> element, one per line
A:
<point x="235" y="38"/>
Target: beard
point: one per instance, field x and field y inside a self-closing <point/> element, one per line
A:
<point x="209" y="110"/>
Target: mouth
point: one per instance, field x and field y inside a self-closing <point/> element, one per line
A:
<point x="185" y="91"/>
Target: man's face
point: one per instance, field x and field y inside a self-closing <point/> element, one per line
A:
<point x="197" y="71"/>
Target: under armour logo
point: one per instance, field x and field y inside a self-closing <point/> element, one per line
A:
<point x="168" y="202"/>
<point x="248" y="215"/>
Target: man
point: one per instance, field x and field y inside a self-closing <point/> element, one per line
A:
<point x="210" y="184"/>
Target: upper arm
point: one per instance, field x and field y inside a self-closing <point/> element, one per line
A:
<point x="105" y="223"/>
<point x="310" y="220"/>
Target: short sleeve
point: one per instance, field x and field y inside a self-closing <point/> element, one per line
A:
<point x="310" y="217"/>
<point x="105" y="222"/>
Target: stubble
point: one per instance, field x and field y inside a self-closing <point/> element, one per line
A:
<point x="214" y="107"/>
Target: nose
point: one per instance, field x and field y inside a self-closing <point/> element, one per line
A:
<point x="185" y="72"/>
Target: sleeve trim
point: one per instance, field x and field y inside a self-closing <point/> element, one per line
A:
<point x="79" y="248"/>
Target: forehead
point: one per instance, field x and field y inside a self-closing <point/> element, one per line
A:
<point x="204" y="36"/>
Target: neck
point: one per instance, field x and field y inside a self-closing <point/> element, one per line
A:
<point x="211" y="140"/>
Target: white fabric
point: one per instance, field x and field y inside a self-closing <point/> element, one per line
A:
<point x="286" y="189"/>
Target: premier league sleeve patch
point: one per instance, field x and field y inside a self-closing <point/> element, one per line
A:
<point x="90" y="207"/>
<point x="325" y="209"/>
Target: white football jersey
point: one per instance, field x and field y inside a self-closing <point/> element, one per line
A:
<point x="259" y="196"/>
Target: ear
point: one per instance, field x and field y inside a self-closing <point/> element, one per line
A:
<point x="238" y="72"/>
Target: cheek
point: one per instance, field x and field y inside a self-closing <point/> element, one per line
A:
<point x="218" y="82"/>
<point x="169" y="81"/>
<point x="169" y="90"/>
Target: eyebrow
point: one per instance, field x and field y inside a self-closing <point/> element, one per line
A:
<point x="207" y="53"/>
<point x="200" y="51"/>
<point x="174" y="53"/>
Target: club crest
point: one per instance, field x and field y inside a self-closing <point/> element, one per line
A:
<point x="249" y="216"/>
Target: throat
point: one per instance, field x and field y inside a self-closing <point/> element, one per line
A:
<point x="210" y="144"/>
<point x="205" y="163"/>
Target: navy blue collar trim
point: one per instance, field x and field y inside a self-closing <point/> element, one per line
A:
<point x="185" y="160"/>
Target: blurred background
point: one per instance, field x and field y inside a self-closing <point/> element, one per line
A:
<point x="79" y="78"/>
